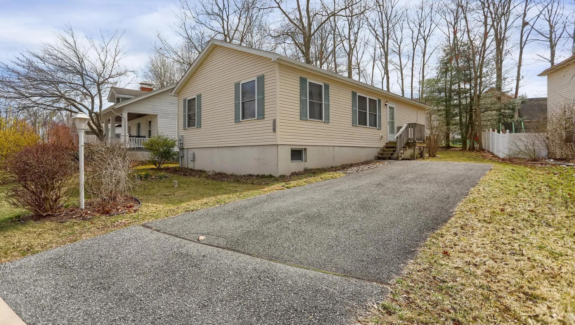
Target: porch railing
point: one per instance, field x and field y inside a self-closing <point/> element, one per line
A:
<point x="410" y="132"/>
<point x="136" y="143"/>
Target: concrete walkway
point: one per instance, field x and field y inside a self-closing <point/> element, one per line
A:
<point x="364" y="226"/>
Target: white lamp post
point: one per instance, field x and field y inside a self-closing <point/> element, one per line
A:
<point x="81" y="122"/>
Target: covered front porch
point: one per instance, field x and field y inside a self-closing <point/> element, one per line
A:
<point x="131" y="127"/>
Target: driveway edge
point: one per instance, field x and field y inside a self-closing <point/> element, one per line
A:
<point x="9" y="317"/>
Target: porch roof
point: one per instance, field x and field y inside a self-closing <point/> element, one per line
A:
<point x="135" y="99"/>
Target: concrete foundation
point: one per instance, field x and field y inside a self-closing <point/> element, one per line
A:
<point x="272" y="159"/>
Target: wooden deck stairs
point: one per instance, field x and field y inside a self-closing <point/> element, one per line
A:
<point x="389" y="150"/>
<point x="409" y="137"/>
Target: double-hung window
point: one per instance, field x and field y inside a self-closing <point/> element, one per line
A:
<point x="366" y="111"/>
<point x="315" y="101"/>
<point x="149" y="129"/>
<point x="191" y="112"/>
<point x="248" y="100"/>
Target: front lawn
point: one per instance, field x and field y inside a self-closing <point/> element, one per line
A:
<point x="160" y="200"/>
<point x="506" y="256"/>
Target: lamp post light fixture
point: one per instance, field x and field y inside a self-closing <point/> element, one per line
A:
<point x="81" y="123"/>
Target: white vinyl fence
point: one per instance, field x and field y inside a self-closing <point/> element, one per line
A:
<point x="515" y="145"/>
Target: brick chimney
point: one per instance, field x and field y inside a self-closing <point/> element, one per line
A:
<point x="144" y="86"/>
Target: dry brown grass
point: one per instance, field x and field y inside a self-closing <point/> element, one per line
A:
<point x="507" y="256"/>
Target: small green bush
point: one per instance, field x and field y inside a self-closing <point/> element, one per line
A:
<point x="161" y="149"/>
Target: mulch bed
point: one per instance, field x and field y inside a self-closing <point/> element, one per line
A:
<point x="92" y="209"/>
<point x="267" y="179"/>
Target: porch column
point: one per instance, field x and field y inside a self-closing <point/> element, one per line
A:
<point x="113" y="128"/>
<point x="106" y="129"/>
<point x="125" y="136"/>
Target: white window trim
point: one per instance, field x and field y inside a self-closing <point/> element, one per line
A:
<point x="188" y="113"/>
<point x="322" y="100"/>
<point x="376" y="111"/>
<point x="256" y="100"/>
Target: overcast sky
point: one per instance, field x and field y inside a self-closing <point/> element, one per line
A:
<point x="25" y="24"/>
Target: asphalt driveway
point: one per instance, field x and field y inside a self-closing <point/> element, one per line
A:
<point x="365" y="226"/>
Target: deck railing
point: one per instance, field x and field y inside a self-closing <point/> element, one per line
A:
<point x="410" y="132"/>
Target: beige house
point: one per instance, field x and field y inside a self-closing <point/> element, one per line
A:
<point x="137" y="115"/>
<point x="247" y="111"/>
<point x="560" y="85"/>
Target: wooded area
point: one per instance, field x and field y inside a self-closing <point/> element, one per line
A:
<point x="465" y="58"/>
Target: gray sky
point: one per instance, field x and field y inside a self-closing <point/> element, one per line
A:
<point x="25" y="24"/>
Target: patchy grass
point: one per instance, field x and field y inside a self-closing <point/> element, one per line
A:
<point x="160" y="200"/>
<point x="506" y="256"/>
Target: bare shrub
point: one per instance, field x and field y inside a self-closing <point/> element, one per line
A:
<point x="528" y="145"/>
<point x="108" y="170"/>
<point x="44" y="175"/>
<point x="560" y="133"/>
<point x="434" y="133"/>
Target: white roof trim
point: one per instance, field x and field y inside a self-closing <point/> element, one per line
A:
<point x="287" y="61"/>
<point x="135" y="99"/>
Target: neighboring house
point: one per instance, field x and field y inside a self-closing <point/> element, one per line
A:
<point x="137" y="115"/>
<point x="560" y="85"/>
<point x="248" y="111"/>
<point x="533" y="114"/>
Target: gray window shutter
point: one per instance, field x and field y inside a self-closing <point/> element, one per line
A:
<point x="185" y="110"/>
<point x="199" y="111"/>
<point x="237" y="102"/>
<point x="325" y="103"/>
<point x="353" y="108"/>
<point x="303" y="98"/>
<point x="379" y="114"/>
<point x="261" y="97"/>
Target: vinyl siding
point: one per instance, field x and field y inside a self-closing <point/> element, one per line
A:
<point x="339" y="132"/>
<point x="560" y="89"/>
<point x="163" y="105"/>
<point x="214" y="80"/>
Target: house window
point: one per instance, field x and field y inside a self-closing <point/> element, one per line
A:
<point x="149" y="129"/>
<point x="138" y="129"/>
<point x="366" y="111"/>
<point x="248" y="100"/>
<point x="298" y="155"/>
<point x="315" y="101"/>
<point x="191" y="106"/>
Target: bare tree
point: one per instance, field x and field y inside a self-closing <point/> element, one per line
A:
<point x="554" y="27"/>
<point x="398" y="48"/>
<point x="72" y="74"/>
<point x="303" y="20"/>
<point x="502" y="20"/>
<point x="161" y="71"/>
<point x="426" y="24"/>
<point x="382" y="24"/>
<point x="478" y="37"/>
<point x="235" y="21"/>
<point x="349" y="32"/>
<point x="525" y="29"/>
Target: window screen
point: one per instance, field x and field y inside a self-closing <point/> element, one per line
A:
<point x="192" y="112"/>
<point x="297" y="155"/>
<point x="315" y="104"/>
<point x="362" y="110"/>
<point x="248" y="90"/>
